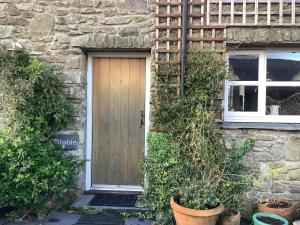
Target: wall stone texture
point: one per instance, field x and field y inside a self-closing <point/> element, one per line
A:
<point x="273" y="149"/>
<point x="61" y="31"/>
<point x="263" y="36"/>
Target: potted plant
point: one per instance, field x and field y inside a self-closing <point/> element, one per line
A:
<point x="230" y="217"/>
<point x="196" y="204"/>
<point x="192" y="165"/>
<point x="274" y="204"/>
<point x="278" y="206"/>
<point x="268" y="218"/>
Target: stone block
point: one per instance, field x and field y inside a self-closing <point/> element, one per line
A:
<point x="62" y="3"/>
<point x="7" y="31"/>
<point x="38" y="8"/>
<point x="295" y="33"/>
<point x="279" y="187"/>
<point x="62" y="28"/>
<point x="27" y="14"/>
<point x="117" y="20"/>
<point x="294" y="175"/>
<point x="61" y="12"/>
<point x="60" y="20"/>
<point x="73" y="62"/>
<point x="129" y="31"/>
<point x="86" y="29"/>
<point x="75" y="3"/>
<point x="90" y="11"/>
<point x="25" y="6"/>
<point x="73" y="76"/>
<point x="86" y="3"/>
<point x="42" y="24"/>
<point x="75" y="92"/>
<point x="76" y="19"/>
<point x="266" y="157"/>
<point x="106" y="29"/>
<point x="63" y="38"/>
<point x="9" y="9"/>
<point x="16" y="21"/>
<point x="109" y="12"/>
<point x="104" y="3"/>
<point x="292" y="152"/>
<point x="132" y="5"/>
<point x="258" y="35"/>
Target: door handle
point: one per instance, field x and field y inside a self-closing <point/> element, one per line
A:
<point x="142" y="119"/>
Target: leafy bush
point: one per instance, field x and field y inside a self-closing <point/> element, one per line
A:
<point x="165" y="174"/>
<point x="206" y="172"/>
<point x="34" y="172"/>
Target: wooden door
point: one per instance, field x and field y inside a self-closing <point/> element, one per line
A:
<point x="118" y="120"/>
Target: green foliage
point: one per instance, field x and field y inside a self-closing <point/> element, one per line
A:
<point x="271" y="175"/>
<point x="34" y="172"/>
<point x="191" y="158"/>
<point x="165" y="173"/>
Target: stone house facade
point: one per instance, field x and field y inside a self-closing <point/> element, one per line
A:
<point x="74" y="34"/>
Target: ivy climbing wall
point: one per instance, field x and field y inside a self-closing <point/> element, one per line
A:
<point x="201" y="36"/>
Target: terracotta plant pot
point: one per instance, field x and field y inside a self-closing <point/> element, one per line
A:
<point x="186" y="216"/>
<point x="230" y="217"/>
<point x="283" y="212"/>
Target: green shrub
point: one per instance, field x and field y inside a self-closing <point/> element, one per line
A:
<point x="34" y="172"/>
<point x="165" y="174"/>
<point x="192" y="159"/>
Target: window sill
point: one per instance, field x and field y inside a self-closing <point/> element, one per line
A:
<point x="261" y="126"/>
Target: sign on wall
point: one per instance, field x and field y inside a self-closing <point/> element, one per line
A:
<point x="67" y="141"/>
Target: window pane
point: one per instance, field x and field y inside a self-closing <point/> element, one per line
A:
<point x="242" y="98"/>
<point x="283" y="66"/>
<point x="243" y="67"/>
<point x="283" y="101"/>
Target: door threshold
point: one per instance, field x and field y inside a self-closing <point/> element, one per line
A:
<point x="116" y="188"/>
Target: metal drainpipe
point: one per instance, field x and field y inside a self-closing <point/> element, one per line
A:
<point x="184" y="33"/>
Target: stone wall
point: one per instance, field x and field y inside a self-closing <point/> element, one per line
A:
<point x="276" y="149"/>
<point x="60" y="31"/>
<point x="263" y="36"/>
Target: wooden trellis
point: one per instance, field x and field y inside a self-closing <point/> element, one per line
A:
<point x="201" y="36"/>
<point x="253" y="12"/>
<point x="168" y="36"/>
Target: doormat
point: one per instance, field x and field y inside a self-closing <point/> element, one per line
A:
<point x="107" y="199"/>
<point x="105" y="219"/>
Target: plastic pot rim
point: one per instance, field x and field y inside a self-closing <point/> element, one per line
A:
<point x="258" y="222"/>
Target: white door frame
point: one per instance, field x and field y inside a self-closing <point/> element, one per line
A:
<point x="89" y="129"/>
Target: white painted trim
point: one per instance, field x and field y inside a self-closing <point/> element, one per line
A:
<point x="262" y="83"/>
<point x="117" y="188"/>
<point x="89" y="122"/>
<point x="89" y="129"/>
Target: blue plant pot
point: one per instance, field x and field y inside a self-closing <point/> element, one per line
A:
<point x="258" y="222"/>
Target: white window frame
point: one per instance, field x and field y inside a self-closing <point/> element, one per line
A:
<point x="260" y="115"/>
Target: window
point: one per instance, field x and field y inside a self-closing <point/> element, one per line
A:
<point x="263" y="86"/>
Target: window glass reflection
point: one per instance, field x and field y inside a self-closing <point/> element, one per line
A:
<point x="243" y="67"/>
<point x="243" y="98"/>
<point x="283" y="101"/>
<point x="283" y="66"/>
